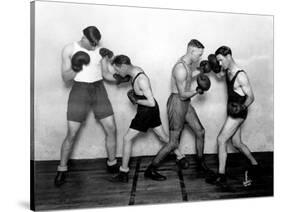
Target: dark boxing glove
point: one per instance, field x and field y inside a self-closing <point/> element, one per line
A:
<point x="132" y="97"/>
<point x="106" y="52"/>
<point x="120" y="79"/>
<point x="204" y="66"/>
<point x="235" y="108"/>
<point x="79" y="59"/>
<point x="203" y="83"/>
<point x="214" y="63"/>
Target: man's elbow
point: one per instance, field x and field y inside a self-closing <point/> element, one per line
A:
<point x="66" y="78"/>
<point x="250" y="99"/>
<point x="106" y="76"/>
<point x="151" y="103"/>
<point x="253" y="99"/>
<point x="182" y="97"/>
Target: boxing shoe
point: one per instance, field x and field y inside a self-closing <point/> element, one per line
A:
<point x="151" y="173"/>
<point x="112" y="169"/>
<point x="201" y="165"/>
<point x="217" y="179"/>
<point x="252" y="175"/>
<point x="122" y="177"/>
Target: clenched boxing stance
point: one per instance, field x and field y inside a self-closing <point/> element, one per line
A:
<point x="180" y="110"/>
<point x="81" y="63"/>
<point x="240" y="97"/>
<point x="147" y="116"/>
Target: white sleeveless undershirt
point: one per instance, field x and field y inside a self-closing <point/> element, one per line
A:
<point x="92" y="71"/>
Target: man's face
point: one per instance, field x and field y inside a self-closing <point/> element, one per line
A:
<point x="196" y="54"/>
<point x="223" y="61"/>
<point x="120" y="69"/>
<point x="90" y="45"/>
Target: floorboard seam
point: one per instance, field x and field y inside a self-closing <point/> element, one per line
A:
<point x="134" y="184"/>
<point x="182" y="185"/>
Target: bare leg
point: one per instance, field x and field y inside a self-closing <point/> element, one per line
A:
<point x="66" y="148"/>
<point x="167" y="148"/>
<point x="159" y="131"/>
<point x="122" y="175"/>
<point x="127" y="147"/>
<point x="109" y="127"/>
<point x="237" y="143"/>
<point x="230" y="126"/>
<point x="194" y="123"/>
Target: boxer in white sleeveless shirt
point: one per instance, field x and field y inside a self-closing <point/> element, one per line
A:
<point x="87" y="93"/>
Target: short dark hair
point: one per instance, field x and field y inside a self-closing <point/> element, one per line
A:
<point x="223" y="50"/>
<point x="121" y="59"/>
<point x="195" y="43"/>
<point x="92" y="33"/>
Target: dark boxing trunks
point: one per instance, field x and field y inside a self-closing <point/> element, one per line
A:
<point x="176" y="109"/>
<point x="86" y="96"/>
<point x="146" y="117"/>
<point x="235" y="97"/>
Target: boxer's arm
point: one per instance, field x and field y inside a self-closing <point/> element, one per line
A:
<point x="221" y="74"/>
<point x="246" y="88"/>
<point x="107" y="70"/>
<point x="180" y="76"/>
<point x="195" y="74"/>
<point x="145" y="88"/>
<point x="66" y="71"/>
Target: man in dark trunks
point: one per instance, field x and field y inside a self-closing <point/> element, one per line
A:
<point x="147" y="116"/>
<point x="240" y="97"/>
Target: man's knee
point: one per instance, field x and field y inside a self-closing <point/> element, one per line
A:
<point x="200" y="133"/>
<point x="236" y="144"/>
<point x="164" y="139"/>
<point x="127" y="138"/>
<point x="174" y="139"/>
<point x="110" y="128"/>
<point x="70" y="138"/>
<point x="71" y="133"/>
<point x="173" y="144"/>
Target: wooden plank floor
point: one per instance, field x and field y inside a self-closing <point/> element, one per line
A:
<point x="88" y="186"/>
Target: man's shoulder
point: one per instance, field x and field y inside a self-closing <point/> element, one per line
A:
<point x="242" y="76"/>
<point x="179" y="69"/>
<point x="137" y="68"/>
<point x="68" y="48"/>
<point x="241" y="73"/>
<point x="142" y="78"/>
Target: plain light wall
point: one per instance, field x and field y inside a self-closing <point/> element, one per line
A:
<point x="154" y="39"/>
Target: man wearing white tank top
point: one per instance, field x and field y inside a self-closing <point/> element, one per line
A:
<point x="87" y="93"/>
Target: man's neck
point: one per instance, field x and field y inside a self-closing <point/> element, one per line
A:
<point x="233" y="68"/>
<point x="186" y="59"/>
<point x="133" y="71"/>
<point x="82" y="45"/>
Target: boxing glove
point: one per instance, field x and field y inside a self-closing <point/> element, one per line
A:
<point x="203" y="83"/>
<point x="79" y="59"/>
<point x="214" y="63"/>
<point x="204" y="66"/>
<point x="106" y="52"/>
<point x="132" y="97"/>
<point x="120" y="79"/>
